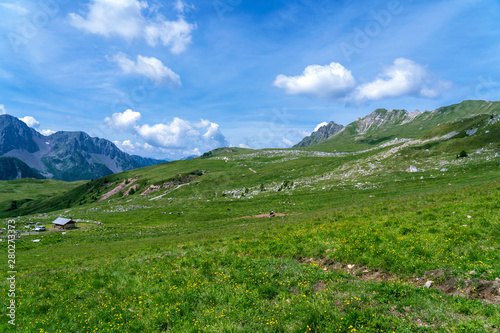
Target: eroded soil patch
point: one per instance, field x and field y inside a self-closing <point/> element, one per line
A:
<point x="474" y="288"/>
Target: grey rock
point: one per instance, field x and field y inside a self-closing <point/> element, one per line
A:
<point x="321" y="134"/>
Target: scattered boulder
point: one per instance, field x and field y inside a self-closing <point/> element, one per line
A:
<point x="429" y="284"/>
<point x="413" y="168"/>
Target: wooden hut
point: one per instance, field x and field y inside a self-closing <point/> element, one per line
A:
<point x="62" y="223"/>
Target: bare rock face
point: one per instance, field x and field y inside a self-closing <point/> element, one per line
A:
<point x="63" y="155"/>
<point x="321" y="134"/>
<point x="15" y="134"/>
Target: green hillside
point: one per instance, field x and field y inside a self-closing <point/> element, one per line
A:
<point x="16" y="193"/>
<point x="394" y="124"/>
<point x="354" y="237"/>
<point x="12" y="168"/>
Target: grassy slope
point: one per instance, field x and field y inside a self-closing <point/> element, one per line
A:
<point x="196" y="260"/>
<point x="346" y="140"/>
<point x="25" y="190"/>
<point x="208" y="269"/>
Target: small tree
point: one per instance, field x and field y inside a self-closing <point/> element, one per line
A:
<point x="462" y="154"/>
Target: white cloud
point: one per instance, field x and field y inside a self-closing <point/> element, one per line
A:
<point x="2" y="109"/>
<point x="47" y="132"/>
<point x="328" y="81"/>
<point x="181" y="7"/>
<point x="149" y="67"/>
<point x="135" y="148"/>
<point x="181" y="134"/>
<point x="192" y="152"/>
<point x="404" y="78"/>
<point x="287" y="142"/>
<point x="176" y="138"/>
<point x="124" y="120"/>
<point x="30" y="121"/>
<point x="176" y="34"/>
<point x="319" y="126"/>
<point x="124" y="18"/>
<point x="112" y="17"/>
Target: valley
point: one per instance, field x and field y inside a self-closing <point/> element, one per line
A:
<point x="385" y="226"/>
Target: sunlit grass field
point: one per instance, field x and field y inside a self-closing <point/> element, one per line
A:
<point x="347" y="257"/>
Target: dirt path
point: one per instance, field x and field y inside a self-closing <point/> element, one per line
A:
<point x="164" y="194"/>
<point x="475" y="288"/>
<point x="117" y="189"/>
<point x="261" y="216"/>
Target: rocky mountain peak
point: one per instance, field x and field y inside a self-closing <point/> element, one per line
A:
<point x="321" y="134"/>
<point x="15" y="134"/>
<point x="63" y="155"/>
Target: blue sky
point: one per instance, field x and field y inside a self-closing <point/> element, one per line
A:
<point x="168" y="79"/>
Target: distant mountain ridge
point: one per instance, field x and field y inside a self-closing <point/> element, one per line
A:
<point x="12" y="168"/>
<point x="384" y="125"/>
<point x="64" y="155"/>
<point x="323" y="133"/>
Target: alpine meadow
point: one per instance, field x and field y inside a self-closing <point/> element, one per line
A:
<point x="249" y="166"/>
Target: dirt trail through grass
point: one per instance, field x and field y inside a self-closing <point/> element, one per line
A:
<point x="475" y="288"/>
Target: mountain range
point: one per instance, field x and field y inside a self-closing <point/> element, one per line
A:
<point x="63" y="155"/>
<point x="73" y="156"/>
<point x="385" y="125"/>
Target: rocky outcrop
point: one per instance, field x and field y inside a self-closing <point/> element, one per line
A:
<point x="321" y="134"/>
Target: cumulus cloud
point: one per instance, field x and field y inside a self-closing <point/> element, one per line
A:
<point x="2" y="109"/>
<point x="47" y="132"/>
<point x="320" y="125"/>
<point x="124" y="18"/>
<point x="328" y="81"/>
<point x="123" y="120"/>
<point x="135" y="147"/>
<point x="149" y="67"/>
<point x="403" y="78"/>
<point x="182" y="133"/>
<point x="179" y="134"/>
<point x="30" y="121"/>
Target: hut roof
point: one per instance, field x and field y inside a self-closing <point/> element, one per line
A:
<point x="61" y="221"/>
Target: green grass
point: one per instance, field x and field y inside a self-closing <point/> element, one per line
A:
<point x="193" y="258"/>
<point x="20" y="191"/>
<point x="209" y="270"/>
